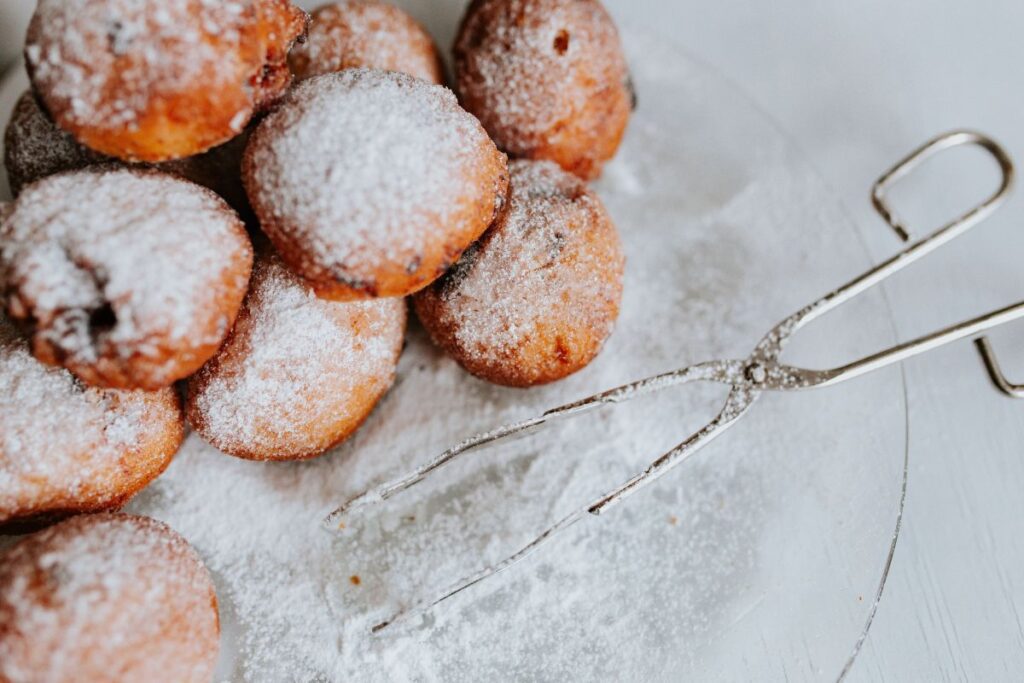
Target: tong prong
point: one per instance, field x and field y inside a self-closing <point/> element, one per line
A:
<point x="995" y="372"/>
<point x="340" y="518"/>
<point x="740" y="399"/>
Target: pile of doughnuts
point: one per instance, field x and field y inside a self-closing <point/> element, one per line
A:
<point x="219" y="210"/>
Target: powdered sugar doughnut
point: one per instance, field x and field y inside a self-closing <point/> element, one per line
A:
<point x="547" y="78"/>
<point x="151" y="80"/>
<point x="355" y="33"/>
<point x="35" y="148"/>
<point x="67" y="448"/>
<point x="128" y="278"/>
<point x="106" y="598"/>
<point x="371" y="183"/>
<point x="298" y="373"/>
<point x="535" y="299"/>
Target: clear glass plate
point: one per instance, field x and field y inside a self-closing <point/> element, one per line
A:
<point x="758" y="559"/>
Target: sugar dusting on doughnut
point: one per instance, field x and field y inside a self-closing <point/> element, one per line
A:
<point x="298" y="373"/>
<point x="371" y="183"/>
<point x="152" y="81"/>
<point x="129" y="278"/>
<point x="536" y="298"/>
<point x="547" y="78"/>
<point x="366" y="33"/>
<point x="106" y="598"/>
<point x="65" y="447"/>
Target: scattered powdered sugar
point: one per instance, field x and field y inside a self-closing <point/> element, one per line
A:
<point x="65" y="445"/>
<point x="357" y="33"/>
<point x="550" y="268"/>
<point x="105" y="61"/>
<point x="367" y="168"/>
<point x="109" y="262"/>
<point x="298" y="373"/>
<point x="106" y="597"/>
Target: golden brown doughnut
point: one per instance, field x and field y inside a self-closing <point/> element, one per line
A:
<point x="298" y="374"/>
<point x="371" y="183"/>
<point x="355" y="33"/>
<point x="35" y="148"/>
<point x="131" y="279"/>
<point x="103" y="598"/>
<point x="66" y="448"/>
<point x="535" y="299"/>
<point x="547" y="78"/>
<point x="152" y="80"/>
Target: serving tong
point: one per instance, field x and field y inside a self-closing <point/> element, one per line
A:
<point x="748" y="378"/>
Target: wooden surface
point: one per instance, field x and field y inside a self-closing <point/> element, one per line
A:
<point x="860" y="83"/>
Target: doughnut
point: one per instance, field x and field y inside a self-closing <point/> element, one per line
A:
<point x="152" y="80"/>
<point x="299" y="373"/>
<point x="66" y="448"/>
<point x="129" y="278"/>
<point x="35" y="148"/>
<point x="353" y="33"/>
<point x="546" y="78"/>
<point x="535" y="299"/>
<point x="372" y="183"/>
<point x="106" y="597"/>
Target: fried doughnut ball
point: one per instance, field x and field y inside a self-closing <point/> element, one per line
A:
<point x="67" y="448"/>
<point x="355" y="33"/>
<point x="106" y="598"/>
<point x="298" y="374"/>
<point x="35" y="148"/>
<point x="372" y="183"/>
<point x="131" y="279"/>
<point x="547" y="78"/>
<point x="152" y="80"/>
<point x="535" y="299"/>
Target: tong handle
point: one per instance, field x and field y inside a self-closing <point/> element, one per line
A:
<point x="940" y="143"/>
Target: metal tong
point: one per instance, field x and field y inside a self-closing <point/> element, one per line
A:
<point x="748" y="378"/>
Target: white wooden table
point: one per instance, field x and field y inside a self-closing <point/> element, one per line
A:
<point x="860" y="83"/>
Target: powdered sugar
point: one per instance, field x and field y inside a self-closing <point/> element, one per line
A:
<point x="368" y="169"/>
<point x="106" y="597"/>
<point x="153" y="81"/>
<point x="67" y="446"/>
<point x="157" y="258"/>
<point x="357" y="33"/>
<point x="549" y="273"/>
<point x="530" y="70"/>
<point x="77" y="43"/>
<point x="298" y="372"/>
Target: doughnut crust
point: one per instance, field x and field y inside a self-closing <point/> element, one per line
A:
<point x="298" y="374"/>
<point x="152" y="80"/>
<point x="35" y="148"/>
<point x="367" y="33"/>
<point x="372" y="183"/>
<point x="106" y="598"/>
<point x="66" y="448"/>
<point x="547" y="78"/>
<point x="129" y="278"/>
<point x="535" y="299"/>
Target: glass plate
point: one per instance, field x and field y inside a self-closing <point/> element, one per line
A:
<point x="758" y="559"/>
